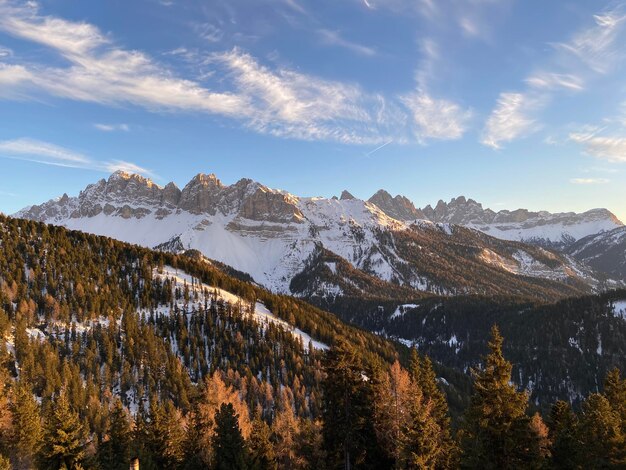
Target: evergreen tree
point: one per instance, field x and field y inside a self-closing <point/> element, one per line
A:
<point x="65" y="437"/>
<point x="165" y="434"/>
<point x="114" y="453"/>
<point x="349" y="436"/>
<point x="311" y="445"/>
<point x="615" y="391"/>
<point x="563" y="436"/>
<point x="230" y="450"/>
<point x="600" y="434"/>
<point x="27" y="428"/>
<point x="193" y="448"/>
<point x="261" y="455"/>
<point x="496" y="432"/>
<point x="425" y="379"/>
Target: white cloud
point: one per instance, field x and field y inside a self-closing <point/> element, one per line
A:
<point x="436" y="118"/>
<point x="103" y="73"/>
<point x="112" y="127"/>
<point x="288" y="103"/>
<point x="600" y="47"/>
<point x="50" y="154"/>
<point x="509" y="120"/>
<point x="588" y="181"/>
<point x="277" y="101"/>
<point x="612" y="149"/>
<point x="333" y="38"/>
<point x="551" y="81"/>
<point x="5" y="52"/>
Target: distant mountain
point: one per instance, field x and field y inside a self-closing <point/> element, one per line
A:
<point x="398" y="207"/>
<point x="279" y="238"/>
<point x="604" y="251"/>
<point x="553" y="231"/>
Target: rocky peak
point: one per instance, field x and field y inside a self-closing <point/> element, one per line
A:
<point x="345" y="195"/>
<point x="201" y="194"/>
<point x="398" y="207"/>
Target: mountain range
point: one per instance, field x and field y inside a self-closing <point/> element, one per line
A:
<point x="343" y="246"/>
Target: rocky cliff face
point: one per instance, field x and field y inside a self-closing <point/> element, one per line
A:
<point x="398" y="207"/>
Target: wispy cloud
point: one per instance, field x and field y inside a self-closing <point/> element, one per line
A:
<point x="610" y="148"/>
<point x="588" y="181"/>
<point x="510" y="119"/>
<point x="5" y="52"/>
<point x="272" y="100"/>
<point x="600" y="46"/>
<point x="112" y="127"/>
<point x="551" y="81"/>
<point x="437" y="118"/>
<point x="50" y="154"/>
<point x="333" y="38"/>
<point x="101" y="72"/>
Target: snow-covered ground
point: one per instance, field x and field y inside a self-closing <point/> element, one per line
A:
<point x="619" y="307"/>
<point x="402" y="309"/>
<point x="260" y="313"/>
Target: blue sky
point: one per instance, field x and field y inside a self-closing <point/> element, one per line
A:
<point x="513" y="103"/>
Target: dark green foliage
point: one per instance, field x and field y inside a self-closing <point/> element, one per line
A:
<point x="423" y="375"/>
<point x="230" y="449"/>
<point x="65" y="436"/>
<point x="563" y="425"/>
<point x="261" y="452"/>
<point x="496" y="432"/>
<point x="114" y="453"/>
<point x="349" y="436"/>
<point x="27" y="427"/>
<point x="559" y="350"/>
<point x="601" y="440"/>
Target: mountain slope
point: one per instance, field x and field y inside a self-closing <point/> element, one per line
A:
<point x="604" y="252"/>
<point x="270" y="234"/>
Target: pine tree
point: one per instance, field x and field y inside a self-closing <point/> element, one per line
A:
<point x="196" y="456"/>
<point x="261" y="455"/>
<point x="65" y="437"/>
<point x="27" y="427"/>
<point x="349" y="435"/>
<point x="114" y="453"/>
<point x="423" y="375"/>
<point x="311" y="445"/>
<point x="230" y="451"/>
<point x="165" y="433"/>
<point x="563" y="436"/>
<point x="496" y="432"/>
<point x="600" y="434"/>
<point x="615" y="391"/>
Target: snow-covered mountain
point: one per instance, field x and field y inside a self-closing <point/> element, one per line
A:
<point x="604" y="251"/>
<point x="275" y="236"/>
<point x="554" y="231"/>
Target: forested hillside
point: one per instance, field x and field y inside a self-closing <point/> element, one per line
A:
<point x="113" y="352"/>
<point x="560" y="350"/>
